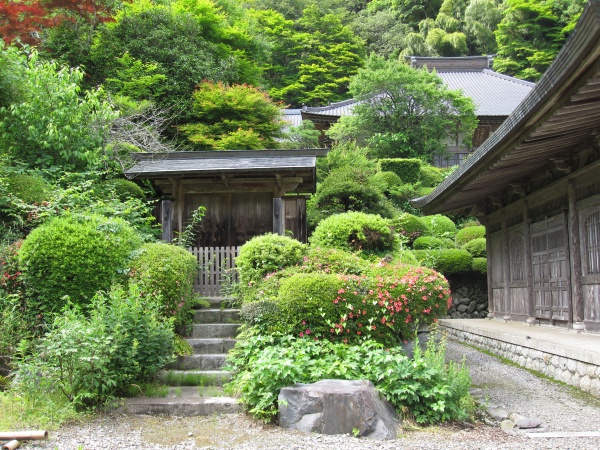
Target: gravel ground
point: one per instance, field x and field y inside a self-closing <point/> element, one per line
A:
<point x="510" y="388"/>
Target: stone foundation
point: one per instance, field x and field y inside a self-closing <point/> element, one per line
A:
<point x="469" y="296"/>
<point x="573" y="368"/>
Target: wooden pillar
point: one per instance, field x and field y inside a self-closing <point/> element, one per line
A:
<point x="490" y="280"/>
<point x="506" y="269"/>
<point x="279" y="216"/>
<point x="575" y="260"/>
<point x="528" y="264"/>
<point x="166" y="219"/>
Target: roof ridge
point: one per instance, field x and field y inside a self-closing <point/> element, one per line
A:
<point x="508" y="77"/>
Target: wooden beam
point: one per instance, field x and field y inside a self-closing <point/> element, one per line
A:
<point x="528" y="264"/>
<point x="575" y="259"/>
<point x="279" y="216"/>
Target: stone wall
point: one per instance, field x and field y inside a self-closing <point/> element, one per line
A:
<point x="574" y="370"/>
<point x="469" y="296"/>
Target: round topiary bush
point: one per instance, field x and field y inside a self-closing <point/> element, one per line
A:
<point x="440" y="226"/>
<point x="29" y="188"/>
<point x="331" y="260"/>
<point x="265" y="254"/>
<point x="429" y="242"/>
<point x="409" y="227"/>
<point x="355" y="231"/>
<point x="431" y="176"/>
<point x="476" y="248"/>
<point x="480" y="265"/>
<point x="385" y="181"/>
<point x="448" y="261"/>
<point x="74" y="256"/>
<point x="124" y="189"/>
<point x="167" y="271"/>
<point x="468" y="234"/>
<point x="263" y="314"/>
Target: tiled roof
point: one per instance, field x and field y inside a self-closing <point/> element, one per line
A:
<point x="494" y="94"/>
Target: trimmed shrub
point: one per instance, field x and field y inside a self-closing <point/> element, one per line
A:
<point x="331" y="260"/>
<point x="355" y="231"/>
<point x="476" y="248"/>
<point x="166" y="271"/>
<point x="429" y="242"/>
<point x="446" y="261"/>
<point x="440" y="226"/>
<point x="266" y="254"/>
<point x="480" y="265"/>
<point x="262" y="314"/>
<point x="404" y="257"/>
<point x="409" y="170"/>
<point x="29" y="188"/>
<point x="385" y="181"/>
<point x="74" y="256"/>
<point x="124" y="189"/>
<point x="468" y="234"/>
<point x="409" y="227"/>
<point x="351" y="308"/>
<point x="431" y="176"/>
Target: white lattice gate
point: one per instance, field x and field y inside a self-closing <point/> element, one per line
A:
<point x="217" y="269"/>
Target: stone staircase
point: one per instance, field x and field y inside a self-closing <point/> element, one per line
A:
<point x="196" y="380"/>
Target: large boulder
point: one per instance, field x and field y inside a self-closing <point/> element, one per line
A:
<point x="337" y="407"/>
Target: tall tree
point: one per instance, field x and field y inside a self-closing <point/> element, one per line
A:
<point x="404" y="112"/>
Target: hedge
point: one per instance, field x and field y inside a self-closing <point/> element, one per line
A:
<point x="409" y="227"/>
<point x="124" y="189"/>
<point x="447" y="261"/>
<point x="476" y="247"/>
<point x="468" y="234"/>
<point x="29" y="188"/>
<point x="409" y="170"/>
<point x="480" y="265"/>
<point x="429" y="242"/>
<point x="440" y="226"/>
<point x="431" y="176"/>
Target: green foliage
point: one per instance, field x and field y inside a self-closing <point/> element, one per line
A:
<point x="261" y="314"/>
<point x="331" y="260"/>
<point x="531" y="33"/>
<point x="386" y="182"/>
<point x="304" y="135"/>
<point x="440" y="226"/>
<point x="91" y="359"/>
<point x="428" y="243"/>
<point x="344" y="156"/>
<point x="166" y="271"/>
<point x="124" y="189"/>
<point x="409" y="170"/>
<point x="409" y="227"/>
<point x="232" y="117"/>
<point x="402" y="112"/>
<point x="430" y="389"/>
<point x="467" y="234"/>
<point x="74" y="256"/>
<point x="446" y="261"/>
<point x="355" y="231"/>
<point x="384" y="306"/>
<point x="476" y="247"/>
<point x="480" y="265"/>
<point x="431" y="176"/>
<point x="187" y="237"/>
<point x="53" y="125"/>
<point x="481" y="21"/>
<point x="28" y="187"/>
<point x="265" y="254"/>
<point x="404" y="257"/>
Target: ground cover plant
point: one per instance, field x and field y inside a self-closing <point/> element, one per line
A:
<point x="431" y="390"/>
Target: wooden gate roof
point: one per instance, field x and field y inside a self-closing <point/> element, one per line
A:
<point x="559" y="116"/>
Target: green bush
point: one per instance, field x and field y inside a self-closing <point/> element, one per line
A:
<point x="124" y="189"/>
<point x="446" y="261"/>
<point x="74" y="256"/>
<point x="385" y="181"/>
<point x="409" y="170"/>
<point x="30" y="188"/>
<point x="476" y="248"/>
<point x="429" y="242"/>
<point x="465" y="235"/>
<point x="169" y="271"/>
<point x="430" y="389"/>
<point x="355" y="231"/>
<point x="431" y="176"/>
<point x="90" y="360"/>
<point x="349" y="308"/>
<point x="404" y="257"/>
<point x="440" y="226"/>
<point x="480" y="265"/>
<point x="266" y="254"/>
<point x="331" y="260"/>
<point x="409" y="227"/>
<point x="262" y="314"/>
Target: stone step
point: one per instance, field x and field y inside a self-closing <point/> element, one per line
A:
<point x="214" y="330"/>
<point x="194" y="377"/>
<point x="217" y="316"/>
<point x="199" y="362"/>
<point x="181" y="402"/>
<point x="211" y="346"/>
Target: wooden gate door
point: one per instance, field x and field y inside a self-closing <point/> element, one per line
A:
<point x="217" y="269"/>
<point x="550" y="257"/>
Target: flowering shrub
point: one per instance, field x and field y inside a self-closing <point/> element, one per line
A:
<point x="351" y="308"/>
<point x="168" y="271"/>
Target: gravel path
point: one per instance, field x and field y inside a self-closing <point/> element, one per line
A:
<point x="515" y="390"/>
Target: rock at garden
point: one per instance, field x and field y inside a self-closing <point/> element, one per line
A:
<point x="337" y="407"/>
<point x="525" y="423"/>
